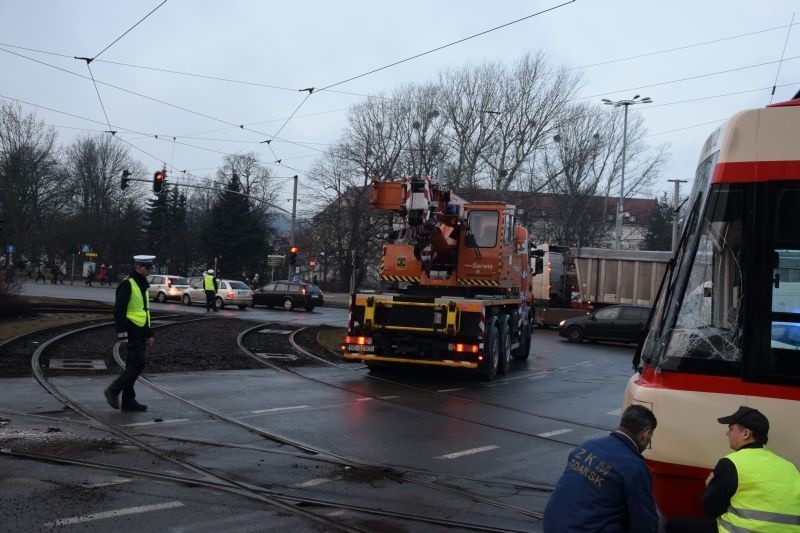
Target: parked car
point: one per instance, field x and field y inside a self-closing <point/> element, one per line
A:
<point x="230" y="292"/>
<point x="165" y="287"/>
<point x="620" y="323"/>
<point x="289" y="294"/>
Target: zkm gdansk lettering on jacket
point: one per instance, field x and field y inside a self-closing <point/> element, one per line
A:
<point x="590" y="466"/>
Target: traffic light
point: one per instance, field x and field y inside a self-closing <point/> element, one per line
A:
<point x="158" y="181"/>
<point x="125" y="179"/>
<point x="293" y="255"/>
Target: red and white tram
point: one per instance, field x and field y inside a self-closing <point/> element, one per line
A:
<point x="725" y="330"/>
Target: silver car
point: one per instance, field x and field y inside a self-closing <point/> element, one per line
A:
<point x="230" y="292"/>
<point x="165" y="287"/>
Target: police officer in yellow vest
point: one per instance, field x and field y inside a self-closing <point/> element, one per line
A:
<point x="132" y="319"/>
<point x="752" y="489"/>
<point x="210" y="286"/>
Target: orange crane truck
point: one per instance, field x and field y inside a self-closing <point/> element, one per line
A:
<point x="458" y="276"/>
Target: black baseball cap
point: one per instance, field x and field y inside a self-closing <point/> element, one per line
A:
<point x="748" y="417"/>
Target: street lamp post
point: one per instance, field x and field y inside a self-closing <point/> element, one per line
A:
<point x="620" y="210"/>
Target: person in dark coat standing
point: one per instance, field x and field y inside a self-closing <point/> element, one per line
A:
<point x="606" y="486"/>
<point x="132" y="320"/>
<point x="210" y="286"/>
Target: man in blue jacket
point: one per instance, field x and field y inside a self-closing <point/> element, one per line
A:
<point x="606" y="485"/>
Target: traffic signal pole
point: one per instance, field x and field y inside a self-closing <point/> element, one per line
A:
<point x="294" y="221"/>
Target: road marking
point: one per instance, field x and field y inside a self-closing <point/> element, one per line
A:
<point x="311" y="483"/>
<point x="456" y="455"/>
<point x="276" y="409"/>
<point x="584" y="363"/>
<point x="450" y="390"/>
<point x="118" y="481"/>
<point x="153" y="423"/>
<point x="111" y="514"/>
<point x="388" y="397"/>
<point x="364" y="399"/>
<point x="540" y="376"/>
<point x="615" y="412"/>
<point x="553" y="433"/>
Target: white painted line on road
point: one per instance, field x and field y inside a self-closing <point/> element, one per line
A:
<point x="388" y="397"/>
<point x="153" y="423"/>
<point x="113" y="482"/>
<point x="111" y="514"/>
<point x="276" y="409"/>
<point x="540" y="376"/>
<point x="450" y="390"/>
<point x="584" y="363"/>
<point x="311" y="483"/>
<point x="364" y="399"/>
<point x="615" y="412"/>
<point x="553" y="433"/>
<point x="456" y="455"/>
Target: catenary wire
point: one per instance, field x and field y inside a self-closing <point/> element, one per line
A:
<point x="129" y="29"/>
<point x="442" y="47"/>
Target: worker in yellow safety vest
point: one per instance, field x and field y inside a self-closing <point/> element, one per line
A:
<point x="132" y="320"/>
<point x="210" y="286"/>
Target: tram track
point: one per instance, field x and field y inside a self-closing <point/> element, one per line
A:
<point x="250" y="490"/>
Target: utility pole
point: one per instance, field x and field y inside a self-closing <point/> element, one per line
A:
<point x="675" y="197"/>
<point x="294" y="221"/>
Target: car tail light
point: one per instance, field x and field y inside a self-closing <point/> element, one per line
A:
<point x="302" y="290"/>
<point x="169" y="282"/>
<point x="230" y="294"/>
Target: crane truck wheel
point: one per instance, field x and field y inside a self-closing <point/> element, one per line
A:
<point x="521" y="353"/>
<point x="504" y="364"/>
<point x="575" y="334"/>
<point x="491" y="351"/>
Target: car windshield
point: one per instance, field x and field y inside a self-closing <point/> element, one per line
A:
<point x="238" y="285"/>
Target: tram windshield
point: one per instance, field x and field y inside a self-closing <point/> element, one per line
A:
<point x="697" y="317"/>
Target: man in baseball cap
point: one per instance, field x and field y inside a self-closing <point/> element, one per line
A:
<point x="751" y="489"/>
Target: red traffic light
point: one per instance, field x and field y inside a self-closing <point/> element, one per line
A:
<point x="158" y="181"/>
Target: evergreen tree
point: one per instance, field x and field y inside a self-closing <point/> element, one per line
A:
<point x="659" y="230"/>
<point x="235" y="233"/>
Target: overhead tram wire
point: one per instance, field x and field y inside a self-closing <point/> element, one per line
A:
<point x="128" y="30"/>
<point x="685" y="47"/>
<point x="421" y="54"/>
<point x="699" y="76"/>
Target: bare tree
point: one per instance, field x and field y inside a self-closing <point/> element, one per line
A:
<point x="30" y="177"/>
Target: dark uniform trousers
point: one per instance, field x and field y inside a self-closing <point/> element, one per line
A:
<point x="211" y="302"/>
<point x="134" y="364"/>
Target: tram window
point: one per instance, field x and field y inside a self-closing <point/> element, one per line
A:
<point x="785" y="327"/>
<point x="787" y="223"/>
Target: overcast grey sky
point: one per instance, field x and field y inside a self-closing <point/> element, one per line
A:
<point x="316" y="43"/>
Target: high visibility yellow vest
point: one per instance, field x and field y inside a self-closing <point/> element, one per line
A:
<point x="137" y="312"/>
<point x="767" y="499"/>
<point x="208" y="282"/>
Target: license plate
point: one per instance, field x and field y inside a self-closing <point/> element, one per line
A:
<point x="314" y="296"/>
<point x="360" y="348"/>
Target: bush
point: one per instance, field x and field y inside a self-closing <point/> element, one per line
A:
<point x="12" y="305"/>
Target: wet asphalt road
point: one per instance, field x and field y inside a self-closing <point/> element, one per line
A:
<point x="516" y="429"/>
